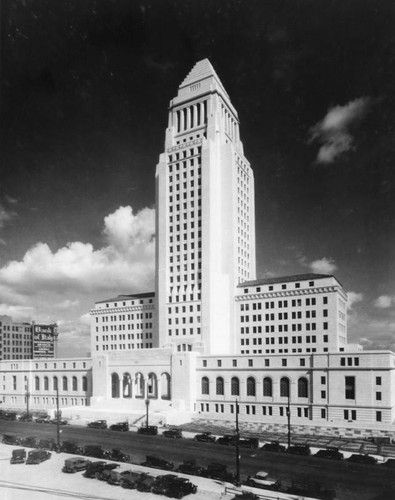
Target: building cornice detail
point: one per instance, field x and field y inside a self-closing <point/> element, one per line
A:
<point x="185" y="145"/>
<point x="287" y="293"/>
<point x="122" y="309"/>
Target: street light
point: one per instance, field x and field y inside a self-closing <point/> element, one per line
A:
<point x="27" y="398"/>
<point x="146" y="411"/>
<point x="289" y="416"/>
<point x="237" y="435"/>
<point x="57" y="418"/>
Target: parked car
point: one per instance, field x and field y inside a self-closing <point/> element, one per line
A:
<point x="18" y="456"/>
<point x="29" y="442"/>
<point x="24" y="417"/>
<point x="157" y="463"/>
<point x="252" y="443"/>
<point x="118" y="455"/>
<point x="119" y="426"/>
<point x="71" y="447"/>
<point x="62" y="421"/>
<point x="173" y="433"/>
<point x="150" y="430"/>
<point x="98" y="424"/>
<point x="190" y="467"/>
<point x="331" y="453"/>
<point x="181" y="487"/>
<point x="162" y="484"/>
<point x="116" y="478"/>
<point x="205" y="437"/>
<point x="47" y="444"/>
<point x="94" y="469"/>
<point x="299" y="449"/>
<point x="9" y="415"/>
<point x="274" y="446"/>
<point x="11" y="439"/>
<point x="37" y="456"/>
<point x="95" y="451"/>
<point x="130" y="481"/>
<point x="75" y="464"/>
<point x="145" y="483"/>
<point x="219" y="471"/>
<point x="227" y="440"/>
<point x="44" y="419"/>
<point x="362" y="459"/>
<point x="264" y="481"/>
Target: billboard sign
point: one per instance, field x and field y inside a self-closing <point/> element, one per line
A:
<point x="43" y="340"/>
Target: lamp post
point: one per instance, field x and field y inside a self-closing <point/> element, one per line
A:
<point x="146" y="411"/>
<point x="237" y="435"/>
<point x="57" y="419"/>
<point x="289" y="417"/>
<point x="27" y="398"/>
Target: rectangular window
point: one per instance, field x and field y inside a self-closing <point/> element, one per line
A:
<point x="378" y="396"/>
<point x="350" y="387"/>
<point x="323" y="413"/>
<point x="378" y="380"/>
<point x="378" y="416"/>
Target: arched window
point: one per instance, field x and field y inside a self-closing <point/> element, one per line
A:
<point x="55" y="383"/>
<point x="303" y="387"/>
<point x="139" y="385"/>
<point x="165" y="386"/>
<point x="205" y="386"/>
<point x="114" y="385"/>
<point x="235" y="386"/>
<point x="250" y="386"/>
<point x="219" y="384"/>
<point x="284" y="387"/>
<point x="152" y="386"/>
<point x="37" y="383"/>
<point x="84" y="384"/>
<point x="46" y="384"/>
<point x="267" y="387"/>
<point x="75" y="384"/>
<point x="127" y="385"/>
<point x="65" y="384"/>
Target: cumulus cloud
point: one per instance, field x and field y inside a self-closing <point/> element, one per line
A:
<point x="384" y="302"/>
<point x="323" y="266"/>
<point x="63" y="285"/>
<point x="334" y="131"/>
<point x="354" y="298"/>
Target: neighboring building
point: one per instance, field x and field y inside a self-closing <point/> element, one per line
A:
<point x="26" y="340"/>
<point x="212" y="333"/>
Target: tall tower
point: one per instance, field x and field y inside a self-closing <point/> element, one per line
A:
<point x="205" y="220"/>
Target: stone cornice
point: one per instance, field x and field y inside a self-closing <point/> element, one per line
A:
<point x="114" y="310"/>
<point x="288" y="293"/>
<point x="184" y="145"/>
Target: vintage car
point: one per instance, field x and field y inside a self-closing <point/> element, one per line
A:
<point x="331" y="453"/>
<point x="30" y="441"/>
<point x="252" y="443"/>
<point x="118" y="455"/>
<point x="71" y="447"/>
<point x="43" y="419"/>
<point x="98" y="424"/>
<point x="37" y="456"/>
<point x="219" y="471"/>
<point x="227" y="440"/>
<point x="18" y="456"/>
<point x="119" y="426"/>
<point x="181" y="487"/>
<point x="11" y="439"/>
<point x="157" y="463"/>
<point x="190" y="467"/>
<point x="145" y="483"/>
<point x="299" y="449"/>
<point x="151" y="430"/>
<point x="262" y="480"/>
<point x="75" y="464"/>
<point x="362" y="459"/>
<point x="95" y="450"/>
<point x="47" y="444"/>
<point x="161" y="485"/>
<point x="205" y="437"/>
<point x="173" y="433"/>
<point x="129" y="481"/>
<point x="95" y="469"/>
<point x="274" y="446"/>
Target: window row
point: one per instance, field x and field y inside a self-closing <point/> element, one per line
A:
<point x="75" y="384"/>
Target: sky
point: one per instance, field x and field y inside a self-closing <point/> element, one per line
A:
<point x="85" y="89"/>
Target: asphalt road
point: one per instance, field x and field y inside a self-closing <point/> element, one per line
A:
<point x="350" y="481"/>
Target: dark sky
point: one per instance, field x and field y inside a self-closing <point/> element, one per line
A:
<point x="85" y="87"/>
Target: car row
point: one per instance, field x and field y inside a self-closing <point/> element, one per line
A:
<point x="170" y="485"/>
<point x="19" y="456"/>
